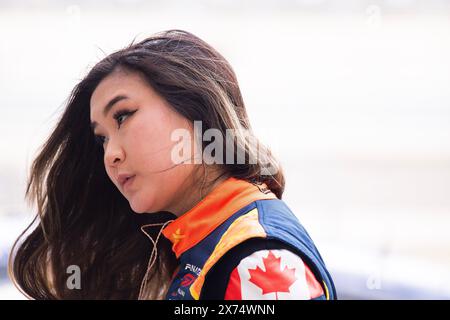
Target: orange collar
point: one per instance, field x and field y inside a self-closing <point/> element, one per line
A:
<point x="216" y="207"/>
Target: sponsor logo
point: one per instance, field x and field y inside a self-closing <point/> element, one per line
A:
<point x="193" y="268"/>
<point x="187" y="280"/>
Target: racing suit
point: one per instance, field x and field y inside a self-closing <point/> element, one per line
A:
<point x="241" y="242"/>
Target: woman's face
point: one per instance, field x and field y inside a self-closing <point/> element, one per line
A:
<point x="138" y="142"/>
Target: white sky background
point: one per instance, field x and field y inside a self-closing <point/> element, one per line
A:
<point x="352" y="96"/>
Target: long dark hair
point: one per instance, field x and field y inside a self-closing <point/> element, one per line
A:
<point x="82" y="219"/>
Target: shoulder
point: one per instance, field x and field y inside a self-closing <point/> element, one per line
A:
<point x="261" y="269"/>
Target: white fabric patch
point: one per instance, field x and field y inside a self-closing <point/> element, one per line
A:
<point x="265" y="272"/>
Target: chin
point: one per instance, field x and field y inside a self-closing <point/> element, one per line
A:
<point x="137" y="207"/>
<point x="138" y="211"/>
<point x="140" y="207"/>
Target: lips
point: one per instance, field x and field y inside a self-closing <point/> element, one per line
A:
<point x="125" y="179"/>
<point x="128" y="182"/>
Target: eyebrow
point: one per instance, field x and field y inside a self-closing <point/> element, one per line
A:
<point x="108" y="107"/>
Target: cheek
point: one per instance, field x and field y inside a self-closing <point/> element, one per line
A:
<point x="150" y="147"/>
<point x="149" y="151"/>
<point x="157" y="191"/>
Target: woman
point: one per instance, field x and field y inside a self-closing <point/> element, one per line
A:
<point x="156" y="139"/>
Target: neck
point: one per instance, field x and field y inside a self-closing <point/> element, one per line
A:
<point x="197" y="190"/>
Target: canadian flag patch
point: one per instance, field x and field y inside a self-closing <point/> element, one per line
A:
<point x="276" y="274"/>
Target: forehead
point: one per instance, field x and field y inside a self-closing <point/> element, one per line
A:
<point x="130" y="84"/>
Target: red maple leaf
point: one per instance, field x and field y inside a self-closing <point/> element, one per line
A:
<point x="273" y="279"/>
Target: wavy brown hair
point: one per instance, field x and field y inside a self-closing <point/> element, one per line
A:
<point x="82" y="218"/>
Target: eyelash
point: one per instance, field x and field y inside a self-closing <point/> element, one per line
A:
<point x="120" y="113"/>
<point x="125" y="112"/>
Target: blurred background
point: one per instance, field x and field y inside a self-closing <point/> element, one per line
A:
<point x="353" y="96"/>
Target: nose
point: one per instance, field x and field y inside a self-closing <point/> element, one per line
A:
<point x="114" y="154"/>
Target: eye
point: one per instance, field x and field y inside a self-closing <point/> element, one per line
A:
<point x="118" y="115"/>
